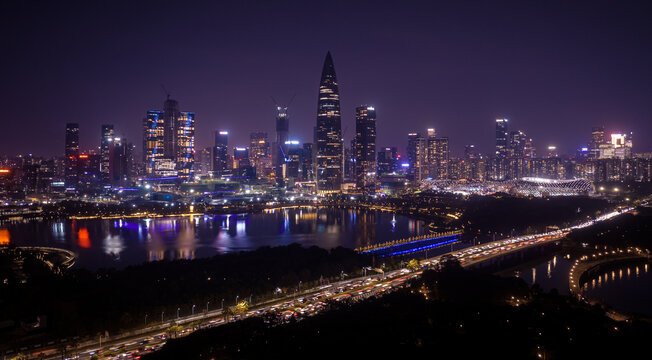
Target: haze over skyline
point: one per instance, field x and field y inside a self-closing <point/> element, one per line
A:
<point x="555" y="69"/>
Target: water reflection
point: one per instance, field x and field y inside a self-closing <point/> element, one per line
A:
<point x="113" y="245"/>
<point x="4" y="237"/>
<point x="603" y="279"/>
<point x="121" y="242"/>
<point x="83" y="239"/>
<point x="556" y="274"/>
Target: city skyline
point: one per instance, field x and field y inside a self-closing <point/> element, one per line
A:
<point x="444" y="76"/>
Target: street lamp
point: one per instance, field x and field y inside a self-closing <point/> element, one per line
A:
<point x="207" y="306"/>
<point x="178" y="312"/>
<point x="236" y="299"/>
<point x="222" y="307"/>
<point x="162" y="312"/>
<point x="193" y="310"/>
<point x="145" y="320"/>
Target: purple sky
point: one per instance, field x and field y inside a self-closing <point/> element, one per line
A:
<point x="554" y="68"/>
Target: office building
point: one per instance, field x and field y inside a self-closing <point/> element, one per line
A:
<point x="152" y="139"/>
<point x="220" y="153"/>
<point x="329" y="156"/>
<point x="185" y="144"/>
<point x="107" y="136"/>
<point x="365" y="149"/>
<point x="388" y="161"/>
<point x="72" y="154"/>
<point x="502" y="145"/>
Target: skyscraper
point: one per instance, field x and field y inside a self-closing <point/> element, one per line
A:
<point x="501" y="138"/>
<point x="388" y="161"/>
<point x="169" y="141"/>
<point x="152" y="139"/>
<point x="365" y="148"/>
<point x="499" y="163"/>
<point x="107" y="137"/>
<point x="329" y="131"/>
<point x="220" y="152"/>
<point x="470" y="152"/>
<point x="259" y="155"/>
<point x="72" y="154"/>
<point x="258" y="145"/>
<point x="440" y="159"/>
<point x="308" y="168"/>
<point x="597" y="138"/>
<point x="185" y="144"/>
<point x="416" y="154"/>
<point x="170" y="117"/>
<point x="280" y="148"/>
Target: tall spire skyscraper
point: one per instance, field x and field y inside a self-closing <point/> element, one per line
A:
<point x="281" y="148"/>
<point x="329" y="131"/>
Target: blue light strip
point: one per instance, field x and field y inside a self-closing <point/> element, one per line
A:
<point x="422" y="248"/>
<point x="411" y="242"/>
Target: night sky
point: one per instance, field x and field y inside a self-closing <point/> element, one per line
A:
<point x="554" y="68"/>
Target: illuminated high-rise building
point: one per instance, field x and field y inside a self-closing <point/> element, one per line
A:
<point x="241" y="164"/>
<point x="470" y="152"/>
<point x="329" y="131"/>
<point x="185" y="144"/>
<point x="388" y="161"/>
<point x="308" y="168"/>
<point x="203" y="161"/>
<point x="72" y="154"/>
<point x="529" y="151"/>
<point x="292" y="167"/>
<point x="280" y="149"/>
<point x="152" y="139"/>
<point x="259" y="154"/>
<point x="440" y="158"/>
<point x="517" y="141"/>
<point x="365" y="148"/>
<point x="416" y="154"/>
<point x="170" y="117"/>
<point x="220" y="152"/>
<point x="502" y="145"/>
<point x="169" y="141"/>
<point x="107" y="136"/>
<point x="597" y="138"/>
<point x="120" y="155"/>
<point x="258" y="145"/>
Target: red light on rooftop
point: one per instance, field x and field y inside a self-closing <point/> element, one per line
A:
<point x="83" y="156"/>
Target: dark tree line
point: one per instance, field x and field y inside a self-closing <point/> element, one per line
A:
<point x="81" y="302"/>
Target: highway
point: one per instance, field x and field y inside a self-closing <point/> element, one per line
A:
<point x="311" y="301"/>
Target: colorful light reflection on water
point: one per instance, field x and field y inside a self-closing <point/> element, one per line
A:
<point x="122" y="242"/>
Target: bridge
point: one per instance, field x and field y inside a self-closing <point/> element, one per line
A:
<point x="412" y="244"/>
<point x="590" y="265"/>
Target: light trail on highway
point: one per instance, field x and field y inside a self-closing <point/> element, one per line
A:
<point x="311" y="301"/>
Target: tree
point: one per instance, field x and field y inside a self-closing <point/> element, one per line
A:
<point x="241" y="308"/>
<point x="173" y="330"/>
<point x="414" y="265"/>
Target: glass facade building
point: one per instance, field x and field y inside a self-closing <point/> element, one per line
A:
<point x="329" y="159"/>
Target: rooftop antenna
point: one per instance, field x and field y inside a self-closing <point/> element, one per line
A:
<point x="291" y="99"/>
<point x="165" y="91"/>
